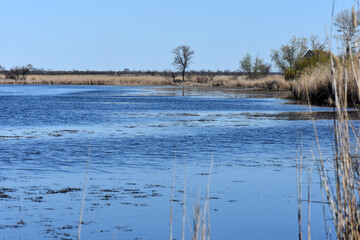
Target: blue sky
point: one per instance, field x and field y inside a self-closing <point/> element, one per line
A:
<point x="140" y="34"/>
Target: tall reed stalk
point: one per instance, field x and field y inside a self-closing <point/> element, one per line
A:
<point x="342" y="188"/>
<point x="201" y="212"/>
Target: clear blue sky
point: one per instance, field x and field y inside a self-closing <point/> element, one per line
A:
<point x="140" y="34"/>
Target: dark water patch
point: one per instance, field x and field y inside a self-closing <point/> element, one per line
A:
<point x="64" y="190"/>
<point x="109" y="190"/>
<point x="4" y="195"/>
<point x="38" y="199"/>
<point x="293" y="116"/>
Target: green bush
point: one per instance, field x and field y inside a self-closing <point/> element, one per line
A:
<point x="319" y="56"/>
<point x="290" y="74"/>
<point x="314" y="58"/>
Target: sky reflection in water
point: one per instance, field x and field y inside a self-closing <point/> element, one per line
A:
<point x="132" y="135"/>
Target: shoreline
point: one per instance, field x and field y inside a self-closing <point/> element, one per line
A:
<point x="269" y="86"/>
<point x="275" y="82"/>
<point x="259" y="88"/>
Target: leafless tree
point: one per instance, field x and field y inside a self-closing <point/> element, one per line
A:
<point x="17" y="73"/>
<point x="30" y="67"/>
<point x="316" y="44"/>
<point x="182" y="58"/>
<point x="347" y="23"/>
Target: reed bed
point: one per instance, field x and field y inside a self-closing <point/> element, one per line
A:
<point x="91" y="80"/>
<point x="315" y="85"/>
<point x="267" y="83"/>
<point x="270" y="83"/>
<point x="339" y="176"/>
<point x="342" y="186"/>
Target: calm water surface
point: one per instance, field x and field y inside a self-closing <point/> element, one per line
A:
<point x="134" y="140"/>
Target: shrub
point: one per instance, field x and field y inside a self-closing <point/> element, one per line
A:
<point x="17" y="73"/>
<point x="312" y="59"/>
<point x="290" y="74"/>
<point x="202" y="79"/>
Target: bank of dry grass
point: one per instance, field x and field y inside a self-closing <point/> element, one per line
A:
<point x="315" y="86"/>
<point x="91" y="80"/>
<point x="268" y="83"/>
<point x="340" y="176"/>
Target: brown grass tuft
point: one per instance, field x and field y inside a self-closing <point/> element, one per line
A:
<point x="92" y="80"/>
<point x="268" y="83"/>
<point x="315" y="85"/>
<point x="271" y="83"/>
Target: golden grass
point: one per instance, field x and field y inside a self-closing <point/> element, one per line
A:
<point x="272" y="82"/>
<point x="340" y="176"/>
<point x="343" y="188"/>
<point x="267" y="83"/>
<point x="315" y="86"/>
<point x="91" y="80"/>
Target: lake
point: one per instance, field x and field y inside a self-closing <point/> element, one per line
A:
<point x="134" y="146"/>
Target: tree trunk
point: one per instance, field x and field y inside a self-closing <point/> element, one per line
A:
<point x="183" y="75"/>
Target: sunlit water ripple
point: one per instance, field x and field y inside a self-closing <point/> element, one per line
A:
<point x="131" y="137"/>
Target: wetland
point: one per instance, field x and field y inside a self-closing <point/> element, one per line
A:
<point x="132" y="143"/>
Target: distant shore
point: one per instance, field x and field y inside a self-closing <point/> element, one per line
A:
<point x="272" y="82"/>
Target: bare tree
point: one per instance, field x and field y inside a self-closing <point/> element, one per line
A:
<point x="182" y="58"/>
<point x="17" y="72"/>
<point x="347" y="23"/>
<point x="30" y="67"/>
<point x="316" y="44"/>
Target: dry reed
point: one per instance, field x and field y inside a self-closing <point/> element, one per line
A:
<point x="201" y="214"/>
<point x="84" y="193"/>
<point x="315" y="85"/>
<point x="342" y="187"/>
<point x="268" y="83"/>
<point x="91" y="80"/>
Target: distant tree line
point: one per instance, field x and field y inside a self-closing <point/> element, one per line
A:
<point x="20" y="72"/>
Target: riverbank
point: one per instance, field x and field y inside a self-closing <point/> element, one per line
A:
<point x="272" y="82"/>
<point x="315" y="84"/>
